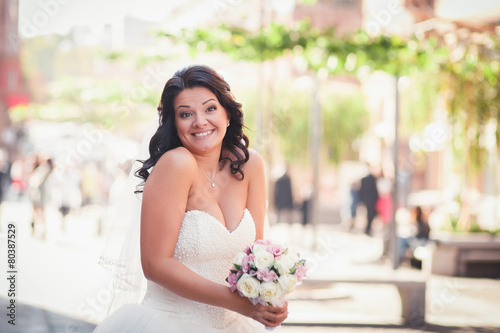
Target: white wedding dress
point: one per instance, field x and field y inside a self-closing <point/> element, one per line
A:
<point x="208" y="248"/>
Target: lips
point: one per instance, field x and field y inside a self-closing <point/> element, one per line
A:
<point x="203" y="134"/>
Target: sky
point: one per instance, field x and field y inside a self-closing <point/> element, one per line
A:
<point x="38" y="17"/>
<point x="456" y="9"/>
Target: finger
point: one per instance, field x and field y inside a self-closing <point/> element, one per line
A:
<point x="270" y="322"/>
<point x="283" y="316"/>
<point x="277" y="318"/>
<point x="285" y="307"/>
<point x="277" y="309"/>
<point x="272" y="309"/>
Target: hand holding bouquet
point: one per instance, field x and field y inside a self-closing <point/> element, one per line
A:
<point x="265" y="272"/>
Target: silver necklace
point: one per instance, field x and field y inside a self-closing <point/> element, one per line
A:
<point x="212" y="182"/>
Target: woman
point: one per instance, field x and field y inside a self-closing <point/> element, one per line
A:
<point x="203" y="202"/>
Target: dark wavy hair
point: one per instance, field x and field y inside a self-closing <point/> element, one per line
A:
<point x="166" y="137"/>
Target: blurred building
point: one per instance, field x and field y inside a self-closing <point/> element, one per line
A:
<point x="345" y="15"/>
<point x="138" y="33"/>
<point x="463" y="20"/>
<point x="476" y="16"/>
<point x="12" y="88"/>
<point x="454" y="23"/>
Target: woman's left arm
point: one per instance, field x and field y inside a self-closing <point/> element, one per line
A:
<point x="256" y="204"/>
<point x="256" y="198"/>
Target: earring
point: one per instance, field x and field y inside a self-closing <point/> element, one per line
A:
<point x="228" y="124"/>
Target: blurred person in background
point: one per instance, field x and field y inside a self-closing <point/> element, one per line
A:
<point x="368" y="195"/>
<point x="66" y="192"/>
<point x="92" y="183"/>
<point x="354" y="202"/>
<point x="384" y="202"/>
<point x="283" y="198"/>
<point x="413" y="235"/>
<point x="384" y="210"/>
<point x="20" y="171"/>
<point x="4" y="174"/>
<point x="39" y="191"/>
<point x="305" y="193"/>
<point x="423" y="229"/>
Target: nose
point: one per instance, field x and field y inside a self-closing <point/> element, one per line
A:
<point x="200" y="121"/>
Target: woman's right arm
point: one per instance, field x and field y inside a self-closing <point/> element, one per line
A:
<point x="163" y="206"/>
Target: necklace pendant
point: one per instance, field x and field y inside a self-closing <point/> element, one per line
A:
<point x="208" y="178"/>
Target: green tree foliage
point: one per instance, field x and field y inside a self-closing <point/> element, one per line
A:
<point x="345" y="118"/>
<point x="472" y="78"/>
<point x="291" y="108"/>
<point x="418" y="100"/>
<point x="64" y="90"/>
<point x="319" y="49"/>
<point x="291" y="123"/>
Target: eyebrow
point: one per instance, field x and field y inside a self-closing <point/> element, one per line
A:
<point x="187" y="106"/>
<point x="208" y="100"/>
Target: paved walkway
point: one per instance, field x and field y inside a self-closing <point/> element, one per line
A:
<point x="60" y="288"/>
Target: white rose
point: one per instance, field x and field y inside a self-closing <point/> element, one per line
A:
<point x="248" y="286"/>
<point x="293" y="254"/>
<point x="263" y="259"/>
<point x="288" y="282"/>
<point x="239" y="258"/>
<point x="284" y="263"/>
<point x="259" y="247"/>
<point x="269" y="291"/>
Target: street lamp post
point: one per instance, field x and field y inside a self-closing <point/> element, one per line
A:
<point x="393" y="226"/>
<point x="315" y="137"/>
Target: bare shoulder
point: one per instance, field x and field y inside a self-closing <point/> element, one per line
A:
<point x="254" y="157"/>
<point x="178" y="160"/>
<point x="255" y="162"/>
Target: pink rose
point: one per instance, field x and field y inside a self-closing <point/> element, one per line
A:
<point x="266" y="275"/>
<point x="275" y="249"/>
<point x="301" y="272"/>
<point x="247" y="249"/>
<point x="245" y="263"/>
<point x="232" y="279"/>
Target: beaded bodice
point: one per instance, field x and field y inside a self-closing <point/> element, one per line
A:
<point x="208" y="248"/>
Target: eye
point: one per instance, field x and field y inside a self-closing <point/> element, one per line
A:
<point x="185" y="114"/>
<point x="212" y="108"/>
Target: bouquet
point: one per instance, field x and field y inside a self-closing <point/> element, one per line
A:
<point x="265" y="272"/>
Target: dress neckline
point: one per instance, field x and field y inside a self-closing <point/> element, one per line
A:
<point x="215" y="220"/>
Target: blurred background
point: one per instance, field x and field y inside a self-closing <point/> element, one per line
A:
<point x="377" y="119"/>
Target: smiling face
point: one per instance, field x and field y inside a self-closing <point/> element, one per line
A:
<point x="200" y="119"/>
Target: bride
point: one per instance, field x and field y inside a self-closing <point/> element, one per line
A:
<point x="203" y="202"/>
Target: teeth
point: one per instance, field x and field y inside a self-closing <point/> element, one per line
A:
<point x="199" y="135"/>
